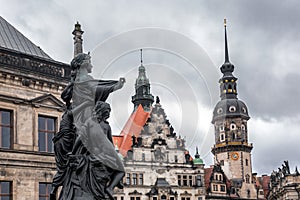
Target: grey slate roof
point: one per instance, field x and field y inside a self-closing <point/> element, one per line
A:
<point x="161" y="182"/>
<point x="11" y="38"/>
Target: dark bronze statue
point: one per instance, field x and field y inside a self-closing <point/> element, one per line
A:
<point x="88" y="167"/>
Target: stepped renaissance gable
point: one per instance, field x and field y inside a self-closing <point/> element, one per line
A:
<point x="157" y="163"/>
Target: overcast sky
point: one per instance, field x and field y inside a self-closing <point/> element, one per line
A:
<point x="184" y="48"/>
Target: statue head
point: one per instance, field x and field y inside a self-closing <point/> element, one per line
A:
<point x="82" y="60"/>
<point x="102" y="110"/>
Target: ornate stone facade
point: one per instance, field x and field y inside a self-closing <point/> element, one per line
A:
<point x="157" y="164"/>
<point x="284" y="184"/>
<point x="30" y="111"/>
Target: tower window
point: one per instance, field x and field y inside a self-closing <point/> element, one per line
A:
<point x="221" y="128"/>
<point x="232" y="126"/>
<point x="243" y="127"/>
<point x="247" y="178"/>
<point x="246" y="162"/>
<point x="220" y="111"/>
<point x="222" y="137"/>
<point x="232" y="109"/>
<point x="244" y="110"/>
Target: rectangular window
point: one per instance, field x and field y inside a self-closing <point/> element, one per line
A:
<point x="154" y="198"/>
<point x="222" y="188"/>
<point x="134" y="179"/>
<point x="184" y="180"/>
<point x="137" y="198"/>
<point x="198" y="181"/>
<point x="132" y="198"/>
<point x="143" y="157"/>
<point x="5" y="190"/>
<point x="179" y="180"/>
<point x="190" y="180"/>
<point x="5" y="129"/>
<point x="141" y="179"/>
<point x="172" y="198"/>
<point x="44" y="191"/>
<point x="122" y="198"/>
<point x="46" y="130"/>
<point x="215" y="187"/>
<point x="128" y="182"/>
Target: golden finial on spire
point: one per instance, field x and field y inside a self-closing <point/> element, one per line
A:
<point x="225" y="23"/>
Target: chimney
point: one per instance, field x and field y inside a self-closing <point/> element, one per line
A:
<point x="77" y="39"/>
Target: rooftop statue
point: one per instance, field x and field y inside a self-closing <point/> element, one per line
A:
<point x="88" y="167"/>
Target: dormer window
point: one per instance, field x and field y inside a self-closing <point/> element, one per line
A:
<point x="220" y="111"/>
<point x="244" y="110"/>
<point x="232" y="109"/>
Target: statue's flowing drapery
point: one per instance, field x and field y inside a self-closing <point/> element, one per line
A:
<point x="94" y="157"/>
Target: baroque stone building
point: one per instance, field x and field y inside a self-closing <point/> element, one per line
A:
<point x="157" y="164"/>
<point x="30" y="110"/>
<point x="284" y="184"/>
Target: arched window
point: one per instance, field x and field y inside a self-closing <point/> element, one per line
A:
<point x="233" y="136"/>
<point x="243" y="128"/>
<point x="222" y="137"/>
<point x="220" y="177"/>
<point x="232" y="109"/>
<point x="232" y="126"/>
<point x="163" y="197"/>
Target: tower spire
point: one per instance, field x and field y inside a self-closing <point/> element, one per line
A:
<point x="226" y="45"/>
<point x="142" y="89"/>
<point x="141" y="56"/>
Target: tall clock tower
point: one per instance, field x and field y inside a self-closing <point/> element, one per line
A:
<point x="232" y="150"/>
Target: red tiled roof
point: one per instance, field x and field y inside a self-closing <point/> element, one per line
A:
<point x="133" y="126"/>
<point x="207" y="175"/>
<point x="265" y="185"/>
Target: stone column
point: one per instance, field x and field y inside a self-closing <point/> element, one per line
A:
<point x="77" y="32"/>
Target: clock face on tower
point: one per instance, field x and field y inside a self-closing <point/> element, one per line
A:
<point x="234" y="156"/>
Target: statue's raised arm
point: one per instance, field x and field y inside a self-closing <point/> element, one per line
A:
<point x="92" y="146"/>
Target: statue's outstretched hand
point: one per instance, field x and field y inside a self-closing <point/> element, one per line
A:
<point x="120" y="83"/>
